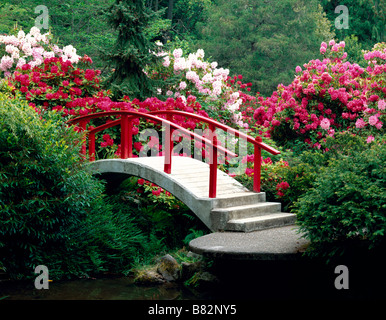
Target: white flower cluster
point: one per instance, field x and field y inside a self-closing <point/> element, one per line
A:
<point x="203" y="79"/>
<point x="31" y="48"/>
<point x="207" y="79"/>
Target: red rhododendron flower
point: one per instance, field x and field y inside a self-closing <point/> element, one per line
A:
<point x="89" y="74"/>
<point x="157" y="192"/>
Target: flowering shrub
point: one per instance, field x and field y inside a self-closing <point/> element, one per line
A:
<point x="58" y="85"/>
<point x="32" y="48"/>
<point x="273" y="178"/>
<point x="219" y="94"/>
<point x="75" y="91"/>
<point x="326" y="96"/>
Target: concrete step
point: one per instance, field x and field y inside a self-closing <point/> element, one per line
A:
<point x="273" y="220"/>
<point x="228" y="200"/>
<point x="248" y="210"/>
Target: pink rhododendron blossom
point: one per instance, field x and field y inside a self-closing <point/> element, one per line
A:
<point x="379" y="125"/>
<point x="157" y="192"/>
<point x="281" y="187"/>
<point x="166" y="61"/>
<point x="200" y="53"/>
<point x="360" y="123"/>
<point x="370" y="139"/>
<point x="325" y="124"/>
<point x="382" y="104"/>
<point x="373" y="120"/>
<point x="177" y="53"/>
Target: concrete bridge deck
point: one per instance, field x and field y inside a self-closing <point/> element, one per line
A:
<point x="234" y="209"/>
<point x="266" y="232"/>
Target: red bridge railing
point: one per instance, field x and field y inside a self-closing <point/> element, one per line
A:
<point x="126" y="124"/>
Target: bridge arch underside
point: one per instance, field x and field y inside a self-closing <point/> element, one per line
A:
<point x="188" y="180"/>
<point x="115" y="179"/>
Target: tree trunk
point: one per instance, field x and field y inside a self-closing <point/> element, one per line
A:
<point x="170" y="10"/>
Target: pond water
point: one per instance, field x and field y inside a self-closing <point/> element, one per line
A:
<point x="122" y="288"/>
<point x="237" y="281"/>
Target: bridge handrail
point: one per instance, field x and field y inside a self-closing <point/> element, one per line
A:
<point x="91" y="134"/>
<point x="126" y="139"/>
<point x="237" y="133"/>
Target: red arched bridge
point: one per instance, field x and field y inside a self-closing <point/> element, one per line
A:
<point x="220" y="201"/>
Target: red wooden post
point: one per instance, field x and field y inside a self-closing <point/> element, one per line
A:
<point x="168" y="146"/>
<point x="130" y="139"/>
<point x="213" y="165"/>
<point x="257" y="166"/>
<point x="91" y="146"/>
<point x="124" y="137"/>
<point x="82" y="125"/>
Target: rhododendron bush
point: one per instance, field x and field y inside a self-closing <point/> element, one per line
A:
<point x="217" y="92"/>
<point x="328" y="95"/>
<point x="58" y="85"/>
<point x="325" y="99"/>
<point x="32" y="48"/>
<point x="70" y="86"/>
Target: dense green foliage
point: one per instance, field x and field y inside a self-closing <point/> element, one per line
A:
<point x="44" y="192"/>
<point x="347" y="200"/>
<point x="264" y="41"/>
<point x="367" y="19"/>
<point x="11" y="14"/>
<point x="54" y="212"/>
<point x="131" y="52"/>
<point x="157" y="213"/>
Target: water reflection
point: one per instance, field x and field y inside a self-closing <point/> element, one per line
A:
<point x="94" y="289"/>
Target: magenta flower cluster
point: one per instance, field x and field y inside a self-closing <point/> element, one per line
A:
<point x="328" y="95"/>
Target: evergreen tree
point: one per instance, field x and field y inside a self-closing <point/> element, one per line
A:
<point x="131" y="51"/>
<point x="80" y="23"/>
<point x="367" y="20"/>
<point x="264" y="40"/>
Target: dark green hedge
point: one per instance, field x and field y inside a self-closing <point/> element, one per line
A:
<point x="52" y="210"/>
<point x="347" y="203"/>
<point x="44" y="189"/>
